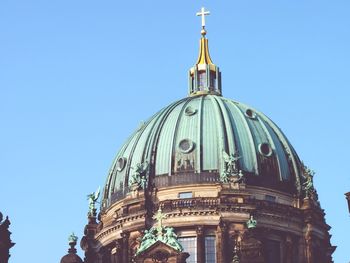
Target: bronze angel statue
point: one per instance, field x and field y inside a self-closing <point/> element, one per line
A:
<point x="93" y="197"/>
<point x="139" y="176"/>
<point x="230" y="166"/>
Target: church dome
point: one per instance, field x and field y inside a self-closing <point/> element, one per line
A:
<point x="187" y="143"/>
<point x="211" y="177"/>
<point x="204" y="138"/>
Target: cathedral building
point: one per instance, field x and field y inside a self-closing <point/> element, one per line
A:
<point x="206" y="180"/>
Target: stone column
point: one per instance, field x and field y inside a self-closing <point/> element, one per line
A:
<point x="200" y="244"/>
<point x="125" y="245"/>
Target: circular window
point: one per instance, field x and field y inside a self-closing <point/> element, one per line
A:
<point x="265" y="149"/>
<point x="121" y="164"/>
<point x="186" y="146"/>
<point x="250" y="113"/>
<point x="190" y="111"/>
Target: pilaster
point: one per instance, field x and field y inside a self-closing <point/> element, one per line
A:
<point x="221" y="242"/>
<point x="125" y="246"/>
<point x="200" y="244"/>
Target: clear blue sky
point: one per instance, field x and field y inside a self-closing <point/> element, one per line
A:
<point x="77" y="77"/>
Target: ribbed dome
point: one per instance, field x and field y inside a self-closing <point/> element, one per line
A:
<point x="187" y="143"/>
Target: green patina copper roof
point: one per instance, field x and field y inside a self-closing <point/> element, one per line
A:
<point x="190" y="136"/>
<point x="193" y="140"/>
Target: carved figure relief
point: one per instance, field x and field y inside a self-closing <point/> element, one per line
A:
<point x="185" y="162"/>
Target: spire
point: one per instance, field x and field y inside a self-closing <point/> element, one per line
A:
<point x="204" y="76"/>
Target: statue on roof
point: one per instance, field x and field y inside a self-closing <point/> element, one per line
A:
<point x="93" y="197"/>
<point x="160" y="233"/>
<point x="308" y="174"/>
<point x="139" y="177"/>
<point x="72" y="238"/>
<point x="240" y="178"/>
<point x="230" y="167"/>
<point x="170" y="238"/>
<point x="308" y="185"/>
<point x="147" y="240"/>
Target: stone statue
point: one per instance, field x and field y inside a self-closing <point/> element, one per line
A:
<point x="170" y="238"/>
<point x="308" y="185"/>
<point x="240" y="178"/>
<point x="160" y="233"/>
<point x="138" y="178"/>
<point x="224" y="177"/>
<point x="72" y="238"/>
<point x="230" y="166"/>
<point x="251" y="223"/>
<point x="93" y="197"/>
<point x="147" y="240"/>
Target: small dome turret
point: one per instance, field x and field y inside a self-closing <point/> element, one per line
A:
<point x="72" y="256"/>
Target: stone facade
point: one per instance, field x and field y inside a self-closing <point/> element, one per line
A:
<point x="288" y="229"/>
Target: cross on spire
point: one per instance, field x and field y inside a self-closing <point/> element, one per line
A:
<point x="159" y="216"/>
<point x="203" y="13"/>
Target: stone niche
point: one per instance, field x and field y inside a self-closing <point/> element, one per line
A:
<point x="160" y="252"/>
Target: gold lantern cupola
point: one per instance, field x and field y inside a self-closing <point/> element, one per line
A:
<point x="204" y="76"/>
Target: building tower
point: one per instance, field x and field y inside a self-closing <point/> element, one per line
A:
<point x="5" y="239"/>
<point x="208" y="179"/>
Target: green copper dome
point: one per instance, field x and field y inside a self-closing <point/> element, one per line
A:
<point x="204" y="138"/>
<point x="187" y="143"/>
